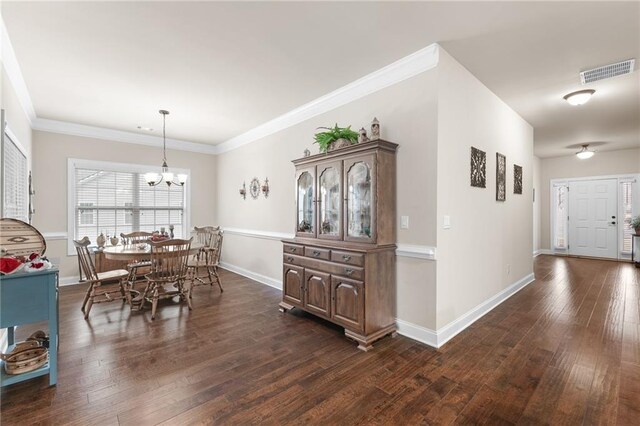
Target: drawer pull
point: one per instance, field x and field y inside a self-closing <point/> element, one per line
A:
<point x="290" y="259"/>
<point x="346" y="258"/>
<point x="316" y="253"/>
<point x="349" y="271"/>
<point x="292" y="249"/>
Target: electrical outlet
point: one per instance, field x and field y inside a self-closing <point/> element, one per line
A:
<point x="404" y="222"/>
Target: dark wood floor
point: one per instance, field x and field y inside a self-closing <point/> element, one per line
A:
<point x="565" y="350"/>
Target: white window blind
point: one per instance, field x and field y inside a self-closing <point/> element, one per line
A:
<point x="114" y="202"/>
<point x="627" y="214"/>
<point x="560" y="211"/>
<point x="14" y="181"/>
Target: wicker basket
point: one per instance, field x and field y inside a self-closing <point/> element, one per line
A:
<point x="26" y="356"/>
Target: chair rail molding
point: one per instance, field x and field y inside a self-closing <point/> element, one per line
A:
<point x="403" y="250"/>
<point x="55" y="236"/>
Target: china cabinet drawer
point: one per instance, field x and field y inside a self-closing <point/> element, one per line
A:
<point x="294" y="249"/>
<point x="347" y="257"/>
<point x="332" y="268"/>
<point x="292" y="259"/>
<point x="317" y="253"/>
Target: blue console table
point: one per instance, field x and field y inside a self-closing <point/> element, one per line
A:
<point x="26" y="298"/>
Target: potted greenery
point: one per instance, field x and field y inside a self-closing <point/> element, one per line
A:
<point x="635" y="224"/>
<point x="335" y="137"/>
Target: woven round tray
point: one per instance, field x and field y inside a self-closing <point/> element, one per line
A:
<point x="25" y="357"/>
<point x="18" y="238"/>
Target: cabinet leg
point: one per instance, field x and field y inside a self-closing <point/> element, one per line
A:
<point x="364" y="346"/>
<point x="365" y="342"/>
<point x="284" y="307"/>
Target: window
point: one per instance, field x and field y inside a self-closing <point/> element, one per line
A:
<point x="626" y="192"/>
<point x="560" y="201"/>
<point x="14" y="181"/>
<point x="114" y="198"/>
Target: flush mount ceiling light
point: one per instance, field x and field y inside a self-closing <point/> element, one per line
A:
<point x="584" y="153"/>
<point x="154" y="179"/>
<point x="580" y="97"/>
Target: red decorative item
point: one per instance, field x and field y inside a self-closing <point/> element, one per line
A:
<point x="9" y="265"/>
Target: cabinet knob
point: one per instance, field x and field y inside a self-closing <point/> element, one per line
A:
<point x="290" y="259"/>
<point x="346" y="258"/>
<point x="316" y="253"/>
<point x="349" y="271"/>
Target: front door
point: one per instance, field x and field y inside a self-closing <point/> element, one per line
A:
<point x="593" y="218"/>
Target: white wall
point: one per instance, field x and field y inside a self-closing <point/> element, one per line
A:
<point x="489" y="245"/>
<point x="50" y="155"/>
<point x="603" y="163"/>
<point x="408" y="116"/>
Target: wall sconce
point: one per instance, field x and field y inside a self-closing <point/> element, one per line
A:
<point x="265" y="188"/>
<point x="243" y="191"/>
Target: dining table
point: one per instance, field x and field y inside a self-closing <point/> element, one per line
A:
<point x="138" y="251"/>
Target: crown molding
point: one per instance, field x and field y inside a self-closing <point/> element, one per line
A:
<point x="407" y="67"/>
<point x="105" y="134"/>
<point x="12" y="68"/>
<point x="400" y="70"/>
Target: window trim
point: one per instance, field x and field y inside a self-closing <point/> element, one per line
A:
<point x="552" y="220"/>
<point x="6" y="131"/>
<point x="635" y="209"/>
<point x="76" y="163"/>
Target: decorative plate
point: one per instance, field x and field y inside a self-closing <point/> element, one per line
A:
<point x="254" y="188"/>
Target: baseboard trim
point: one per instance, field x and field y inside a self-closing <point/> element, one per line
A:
<point x="452" y="329"/>
<point x="414" y="331"/>
<point x="542" y="251"/>
<point x="262" y="279"/>
<point x="417" y="332"/>
<point x="438" y="338"/>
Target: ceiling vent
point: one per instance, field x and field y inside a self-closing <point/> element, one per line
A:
<point x="607" y="71"/>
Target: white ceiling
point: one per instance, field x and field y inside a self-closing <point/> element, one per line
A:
<point x="225" y="68"/>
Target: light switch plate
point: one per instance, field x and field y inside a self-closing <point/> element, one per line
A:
<point x="446" y="222"/>
<point x="404" y="222"/>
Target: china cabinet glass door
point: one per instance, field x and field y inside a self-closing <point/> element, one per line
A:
<point x="330" y="201"/>
<point x="359" y="210"/>
<point x="305" y="192"/>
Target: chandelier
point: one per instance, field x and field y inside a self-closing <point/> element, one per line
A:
<point x="153" y="178"/>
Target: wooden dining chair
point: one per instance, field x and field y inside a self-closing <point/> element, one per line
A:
<point x="208" y="258"/>
<point x="137" y="267"/>
<point x="101" y="284"/>
<point x="168" y="276"/>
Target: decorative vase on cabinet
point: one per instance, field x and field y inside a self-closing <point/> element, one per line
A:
<point x="341" y="264"/>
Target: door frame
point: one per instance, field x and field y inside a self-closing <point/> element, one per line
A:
<point x="630" y="177"/>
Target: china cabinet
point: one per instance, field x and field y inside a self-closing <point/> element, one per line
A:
<point x="341" y="264"/>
